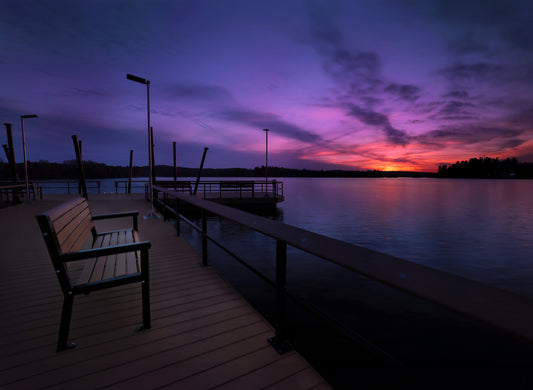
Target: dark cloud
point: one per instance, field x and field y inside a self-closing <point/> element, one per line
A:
<point x="359" y="71"/>
<point x="86" y="92"/>
<point x="519" y="36"/>
<point x="199" y="92"/>
<point x="468" y="135"/>
<point x="456" y="110"/>
<point x="261" y="120"/>
<point x="373" y="118"/>
<point x="404" y="91"/>
<point x="486" y="12"/>
<point x="324" y="33"/>
<point x="457" y="95"/>
<point x="467" y="44"/>
<point x="358" y="77"/>
<point x="480" y="71"/>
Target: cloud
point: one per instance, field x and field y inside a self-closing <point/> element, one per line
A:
<point x="519" y="36"/>
<point x="469" y="135"/>
<point x="261" y="120"/>
<point x="481" y="71"/>
<point x="404" y="91"/>
<point x="373" y="118"/>
<point x="357" y="70"/>
<point x="199" y="92"/>
<point x="457" y="94"/>
<point x="467" y="44"/>
<point x="456" y="110"/>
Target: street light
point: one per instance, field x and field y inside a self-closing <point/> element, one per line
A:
<point x="22" y="117"/>
<point x="151" y="214"/>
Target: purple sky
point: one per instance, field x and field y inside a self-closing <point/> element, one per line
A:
<point x="358" y="84"/>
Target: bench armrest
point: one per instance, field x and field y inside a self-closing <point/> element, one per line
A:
<point x="133" y="214"/>
<point x="106" y="251"/>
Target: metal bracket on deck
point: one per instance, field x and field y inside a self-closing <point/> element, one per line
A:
<point x="280" y="346"/>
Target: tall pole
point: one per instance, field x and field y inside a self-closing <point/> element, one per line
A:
<point x="175" y="167"/>
<point x="131" y="171"/>
<point x="200" y="171"/>
<point x="11" y="157"/>
<point x="137" y="79"/>
<point x="266" y="162"/>
<point x="22" y="117"/>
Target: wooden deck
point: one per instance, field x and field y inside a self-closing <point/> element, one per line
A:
<point x="204" y="335"/>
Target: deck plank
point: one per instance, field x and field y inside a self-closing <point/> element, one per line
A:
<point x="204" y="334"/>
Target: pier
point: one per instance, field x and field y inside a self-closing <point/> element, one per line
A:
<point x="204" y="334"/>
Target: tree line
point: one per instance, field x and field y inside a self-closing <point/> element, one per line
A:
<point x="486" y="167"/>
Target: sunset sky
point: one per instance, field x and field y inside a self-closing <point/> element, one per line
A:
<point x="354" y="84"/>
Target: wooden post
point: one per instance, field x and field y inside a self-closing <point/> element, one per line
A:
<point x="279" y="341"/>
<point x="200" y="171"/>
<point x="131" y="171"/>
<point x="175" y="167"/>
<point x="178" y="227"/>
<point x="11" y="157"/>
<point x="81" y="159"/>
<point x="204" y="237"/>
<point x="153" y="157"/>
<point x="81" y="173"/>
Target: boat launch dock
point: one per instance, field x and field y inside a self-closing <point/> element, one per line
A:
<point x="204" y="334"/>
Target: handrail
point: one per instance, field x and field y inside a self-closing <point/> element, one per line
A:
<point x="504" y="310"/>
<point x="250" y="188"/>
<point x="69" y="184"/>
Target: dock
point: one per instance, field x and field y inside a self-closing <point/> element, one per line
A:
<point x="204" y="334"/>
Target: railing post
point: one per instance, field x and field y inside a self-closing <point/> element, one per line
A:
<point x="178" y="227"/>
<point x="165" y="199"/>
<point x="204" y="237"/>
<point x="279" y="341"/>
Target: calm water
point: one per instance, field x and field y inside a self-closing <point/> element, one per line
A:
<point x="480" y="229"/>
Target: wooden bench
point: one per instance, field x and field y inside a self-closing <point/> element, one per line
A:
<point x="237" y="186"/>
<point x="110" y="259"/>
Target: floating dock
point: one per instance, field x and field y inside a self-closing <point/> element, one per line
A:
<point x="204" y="334"/>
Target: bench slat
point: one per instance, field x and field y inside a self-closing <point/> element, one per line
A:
<point x="100" y="262"/>
<point x="64" y="219"/>
<point x="109" y="269"/>
<point x="72" y="237"/>
<point x="61" y="209"/>
<point x="120" y="268"/>
<point x="87" y="272"/>
<point x="137" y="253"/>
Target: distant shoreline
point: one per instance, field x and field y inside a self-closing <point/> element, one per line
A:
<point x="486" y="168"/>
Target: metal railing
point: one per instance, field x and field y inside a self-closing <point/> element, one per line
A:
<point x="70" y="186"/>
<point x="18" y="191"/>
<point x="228" y="188"/>
<point x="123" y="186"/>
<point x="501" y="309"/>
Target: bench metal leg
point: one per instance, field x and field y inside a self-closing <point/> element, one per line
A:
<point x="147" y="323"/>
<point x="66" y="314"/>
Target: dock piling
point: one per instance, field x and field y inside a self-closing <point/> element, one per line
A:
<point x="279" y="341"/>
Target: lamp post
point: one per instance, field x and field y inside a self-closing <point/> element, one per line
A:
<point x="151" y="214"/>
<point x="22" y="117"/>
<point x="266" y="154"/>
<point x="266" y="162"/>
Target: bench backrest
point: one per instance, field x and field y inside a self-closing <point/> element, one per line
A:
<point x="65" y="228"/>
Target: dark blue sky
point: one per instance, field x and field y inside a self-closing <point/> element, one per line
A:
<point x="363" y="84"/>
